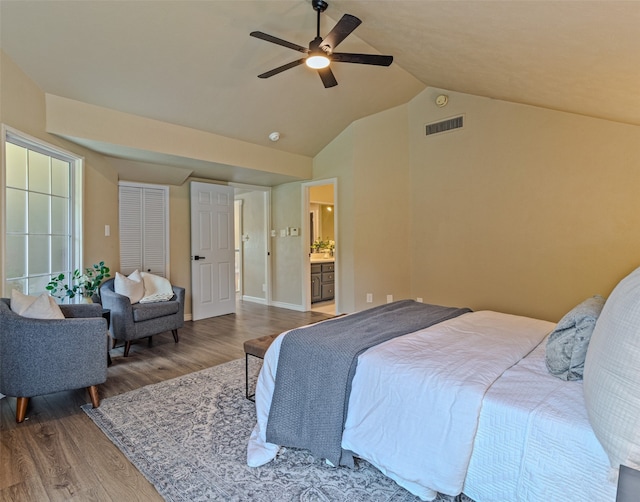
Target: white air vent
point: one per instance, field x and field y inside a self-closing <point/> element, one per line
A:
<point x="445" y="125"/>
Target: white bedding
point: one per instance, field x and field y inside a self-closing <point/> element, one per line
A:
<point x="541" y="440"/>
<point x="424" y="440"/>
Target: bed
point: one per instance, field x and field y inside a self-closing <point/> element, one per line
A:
<point x="469" y="405"/>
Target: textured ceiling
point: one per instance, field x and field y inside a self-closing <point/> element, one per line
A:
<point x="193" y="63"/>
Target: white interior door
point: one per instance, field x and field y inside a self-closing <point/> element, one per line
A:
<point x="212" y="250"/>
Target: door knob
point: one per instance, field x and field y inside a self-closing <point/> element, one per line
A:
<point x="196" y="257"/>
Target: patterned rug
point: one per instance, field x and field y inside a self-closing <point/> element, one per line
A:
<point x="188" y="437"/>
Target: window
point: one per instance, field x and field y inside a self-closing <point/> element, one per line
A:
<point x="42" y="224"/>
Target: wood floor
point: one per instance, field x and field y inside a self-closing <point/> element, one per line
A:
<point x="59" y="454"/>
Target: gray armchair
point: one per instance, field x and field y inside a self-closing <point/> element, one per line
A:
<point x="141" y="320"/>
<point x="41" y="356"/>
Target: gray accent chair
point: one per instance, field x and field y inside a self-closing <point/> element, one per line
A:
<point x="41" y="356"/>
<point x="141" y="320"/>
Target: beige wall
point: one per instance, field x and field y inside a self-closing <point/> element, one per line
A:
<point x="180" y="240"/>
<point x="326" y="217"/>
<point x="336" y="161"/>
<point x="74" y="119"/>
<point x="525" y="210"/>
<point x="321" y="194"/>
<point x="254" y="254"/>
<point x="382" y="206"/>
<point x="286" y="252"/>
<point x="370" y="160"/>
<point x="22" y="106"/>
<point x="321" y="199"/>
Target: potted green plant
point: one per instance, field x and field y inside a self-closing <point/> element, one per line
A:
<point x="326" y="247"/>
<point x="319" y="246"/>
<point x="81" y="284"/>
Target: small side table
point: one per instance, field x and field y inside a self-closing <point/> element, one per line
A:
<point x="106" y="313"/>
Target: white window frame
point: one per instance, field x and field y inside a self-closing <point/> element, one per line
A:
<point x="76" y="196"/>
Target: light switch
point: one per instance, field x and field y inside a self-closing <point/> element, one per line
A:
<point x="107" y="230"/>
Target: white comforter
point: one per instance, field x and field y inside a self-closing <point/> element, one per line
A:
<point x="534" y="441"/>
<point x="418" y="424"/>
<point x="422" y="440"/>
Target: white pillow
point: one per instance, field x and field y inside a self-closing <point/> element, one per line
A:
<point x="21" y="302"/>
<point x="37" y="307"/>
<point x="131" y="287"/>
<point x="156" y="288"/>
<point x="612" y="374"/>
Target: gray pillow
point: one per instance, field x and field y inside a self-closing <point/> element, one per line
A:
<point x="567" y="344"/>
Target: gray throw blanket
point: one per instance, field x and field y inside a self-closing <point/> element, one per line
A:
<point x="317" y="364"/>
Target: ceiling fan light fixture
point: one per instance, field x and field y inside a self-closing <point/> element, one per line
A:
<point x="317" y="62"/>
<point x="320" y="53"/>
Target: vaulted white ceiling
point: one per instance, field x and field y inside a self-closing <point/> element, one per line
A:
<point x="193" y="63"/>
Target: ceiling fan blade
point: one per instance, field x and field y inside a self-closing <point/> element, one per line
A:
<point x="340" y="31"/>
<point x="328" y="79"/>
<point x="376" y="59"/>
<point x="278" y="41"/>
<point x="282" y="68"/>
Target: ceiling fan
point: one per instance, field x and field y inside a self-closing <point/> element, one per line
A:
<point x="320" y="53"/>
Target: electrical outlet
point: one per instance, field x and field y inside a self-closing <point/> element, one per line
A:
<point x="369" y="297"/>
<point x="419" y="300"/>
<point x="389" y="298"/>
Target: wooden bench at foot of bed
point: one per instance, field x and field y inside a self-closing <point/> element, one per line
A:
<point x="256" y="347"/>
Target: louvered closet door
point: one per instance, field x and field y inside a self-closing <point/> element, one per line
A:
<point x="154" y="226"/>
<point x="143" y="229"/>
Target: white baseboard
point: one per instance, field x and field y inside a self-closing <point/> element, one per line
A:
<point x="254" y="299"/>
<point x="290" y="306"/>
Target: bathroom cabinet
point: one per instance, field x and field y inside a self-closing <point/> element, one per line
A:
<point x="322" y="282"/>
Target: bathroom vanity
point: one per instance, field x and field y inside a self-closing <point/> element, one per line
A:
<point x="322" y="280"/>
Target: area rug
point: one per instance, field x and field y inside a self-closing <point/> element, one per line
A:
<point x="188" y="437"/>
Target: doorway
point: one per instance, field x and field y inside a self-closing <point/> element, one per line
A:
<point x="320" y="269"/>
<point x="252" y="243"/>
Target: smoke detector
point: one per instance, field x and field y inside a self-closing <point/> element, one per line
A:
<point x="274" y="136"/>
<point x="442" y="100"/>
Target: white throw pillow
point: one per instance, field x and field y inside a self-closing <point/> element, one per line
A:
<point x="43" y="307"/>
<point x="21" y="302"/>
<point x="156" y="288"/>
<point x="132" y="287"/>
<point x="612" y="374"/>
